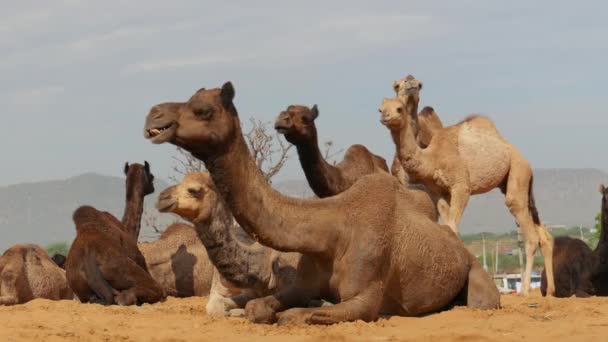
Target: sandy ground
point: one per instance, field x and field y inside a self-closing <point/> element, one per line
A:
<point x="549" y="319"/>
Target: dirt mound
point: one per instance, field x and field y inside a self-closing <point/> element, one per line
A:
<point x="549" y="319"/>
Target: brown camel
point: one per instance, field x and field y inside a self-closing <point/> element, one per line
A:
<point x="297" y="123"/>
<point x="140" y="183"/>
<point x="578" y="270"/>
<point x="27" y="272"/>
<point x="466" y="159"/>
<point x="367" y="249"/>
<point x="104" y="264"/>
<point x="246" y="269"/>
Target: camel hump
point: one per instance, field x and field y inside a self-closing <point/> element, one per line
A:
<point x="427" y="111"/>
<point x="85" y="214"/>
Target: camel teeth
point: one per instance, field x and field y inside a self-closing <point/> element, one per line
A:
<point x="154" y="131"/>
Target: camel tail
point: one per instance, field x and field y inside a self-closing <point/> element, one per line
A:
<point x="532" y="203"/>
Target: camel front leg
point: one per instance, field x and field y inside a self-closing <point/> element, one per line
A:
<point x="264" y="310"/>
<point x="459" y="197"/>
<point x="8" y="287"/>
<point x="546" y="247"/>
<point x="363" y="307"/>
<point x="443" y="208"/>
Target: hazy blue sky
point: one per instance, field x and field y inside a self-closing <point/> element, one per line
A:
<point x="78" y="77"/>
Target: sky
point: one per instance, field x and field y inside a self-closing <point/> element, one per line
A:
<point x="78" y="77"/>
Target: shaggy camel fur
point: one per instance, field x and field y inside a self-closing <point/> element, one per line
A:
<point x="27" y="272"/>
<point x="178" y="261"/>
<point x="297" y="123"/>
<point x="104" y="264"/>
<point x="248" y="270"/>
<point x="466" y="159"/>
<point x="367" y="249"/>
<point x="578" y="270"/>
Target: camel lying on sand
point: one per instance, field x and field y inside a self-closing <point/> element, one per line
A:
<point x="104" y="264"/>
<point x="245" y="269"/>
<point x="368" y="250"/>
<point x="578" y="270"/>
<point x="27" y="272"/>
<point x="297" y="123"/>
<point x="466" y="159"/>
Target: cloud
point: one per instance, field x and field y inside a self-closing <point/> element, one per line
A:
<point x="32" y="98"/>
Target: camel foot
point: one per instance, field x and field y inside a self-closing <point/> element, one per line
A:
<point x="295" y="316"/>
<point x="126" y="297"/>
<point x="236" y="313"/>
<point x="8" y="300"/>
<point x="257" y="311"/>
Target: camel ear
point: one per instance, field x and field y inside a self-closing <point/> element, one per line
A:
<point x="126" y="170"/>
<point x="227" y="94"/>
<point x="602" y="188"/>
<point x="420" y="85"/>
<point x="314" y="111"/>
<point x="146" y="166"/>
<point x="396" y="86"/>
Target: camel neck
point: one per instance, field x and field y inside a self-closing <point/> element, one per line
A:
<point x="405" y="140"/>
<point x="242" y="265"/>
<point x="276" y="221"/>
<point x="324" y="179"/>
<point x="604" y="225"/>
<point x="134" y="208"/>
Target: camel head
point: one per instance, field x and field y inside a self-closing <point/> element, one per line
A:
<point x="392" y="113"/>
<point x="204" y="125"/>
<point x="406" y="87"/>
<point x="141" y="175"/>
<point x="194" y="198"/>
<point x="297" y="123"/>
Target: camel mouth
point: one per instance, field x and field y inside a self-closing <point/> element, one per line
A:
<point x="165" y="205"/>
<point x="161" y="134"/>
<point x="282" y="129"/>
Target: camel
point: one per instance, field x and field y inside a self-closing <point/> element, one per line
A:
<point x="243" y="269"/>
<point x="140" y="183"/>
<point x="297" y="124"/>
<point x="468" y="158"/>
<point x="27" y="273"/>
<point x="178" y="262"/>
<point x="367" y="249"/>
<point x="104" y="264"/>
<point x="578" y="270"/>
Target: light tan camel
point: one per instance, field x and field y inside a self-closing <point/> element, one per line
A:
<point x="244" y="269"/>
<point x="367" y="249"/>
<point x="178" y="261"/>
<point x="297" y="123"/>
<point x="27" y="272"/>
<point x="466" y="159"/>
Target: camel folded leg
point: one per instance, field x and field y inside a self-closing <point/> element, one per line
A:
<point x="8" y="288"/>
<point x="264" y="310"/>
<point x="364" y="308"/>
<point x="131" y="283"/>
<point x="482" y="293"/>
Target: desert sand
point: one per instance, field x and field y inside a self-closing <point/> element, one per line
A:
<point x="545" y="319"/>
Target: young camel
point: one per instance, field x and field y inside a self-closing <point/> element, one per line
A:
<point x="243" y="269"/>
<point x="297" y="123"/>
<point x="466" y="159"/>
<point x="27" y="273"/>
<point x="104" y="264"/>
<point x="367" y="249"/>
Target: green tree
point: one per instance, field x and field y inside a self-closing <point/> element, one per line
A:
<point x="57" y="248"/>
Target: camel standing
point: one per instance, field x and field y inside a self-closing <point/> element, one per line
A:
<point x="368" y="249"/>
<point x="244" y="269"/>
<point x="104" y="264"/>
<point x="466" y="159"/>
<point x="27" y="272"/>
<point x="297" y="123"/>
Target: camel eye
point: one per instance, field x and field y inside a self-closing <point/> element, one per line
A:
<point x="204" y="114"/>
<point x="399" y="110"/>
<point x="195" y="192"/>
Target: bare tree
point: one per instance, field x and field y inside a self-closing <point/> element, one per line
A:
<point x="329" y="154"/>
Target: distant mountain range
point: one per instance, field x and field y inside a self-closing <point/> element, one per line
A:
<point x="41" y="212"/>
